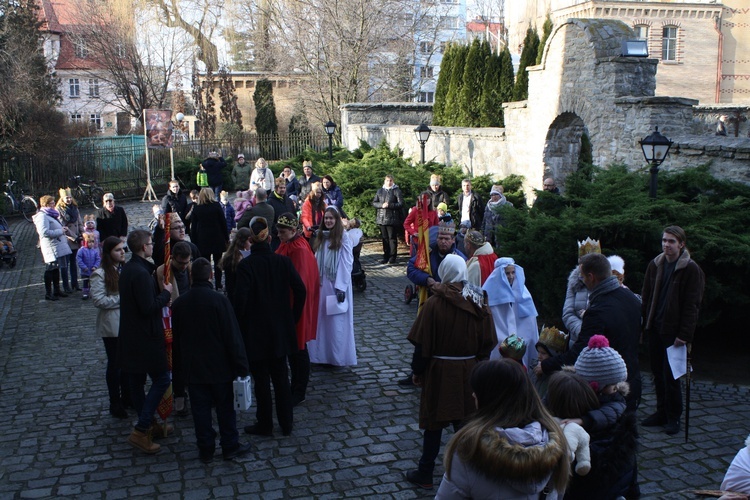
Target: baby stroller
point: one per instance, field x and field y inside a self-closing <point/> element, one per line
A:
<point x="7" y="250"/>
<point x="359" y="278"/>
<point x="359" y="281"/>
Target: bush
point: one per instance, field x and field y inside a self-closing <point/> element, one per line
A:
<point x="613" y="206"/>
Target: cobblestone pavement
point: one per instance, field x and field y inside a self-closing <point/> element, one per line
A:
<point x="354" y="436"/>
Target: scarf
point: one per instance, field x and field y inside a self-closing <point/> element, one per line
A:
<point x="69" y="213"/>
<point x="328" y="260"/>
<point x="499" y="290"/>
<point x="51" y="212"/>
<point x="492" y="205"/>
<point x="606" y="286"/>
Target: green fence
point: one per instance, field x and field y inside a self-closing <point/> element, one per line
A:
<point x="118" y="164"/>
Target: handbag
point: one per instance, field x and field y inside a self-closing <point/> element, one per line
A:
<point x="202" y="178"/>
<point x="243" y="395"/>
<point x="333" y="306"/>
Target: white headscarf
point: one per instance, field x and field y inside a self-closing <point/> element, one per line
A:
<point x="452" y="269"/>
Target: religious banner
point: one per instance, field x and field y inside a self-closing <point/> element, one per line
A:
<point x="158" y="128"/>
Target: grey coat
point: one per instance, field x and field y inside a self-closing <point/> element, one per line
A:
<point x="52" y="239"/>
<point x="576" y="301"/>
<point x="108" y="316"/>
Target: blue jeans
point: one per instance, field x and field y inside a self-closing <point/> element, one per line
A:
<point x="73" y="269"/>
<point x="146" y="404"/>
<point x="217" y="191"/>
<point x="202" y="398"/>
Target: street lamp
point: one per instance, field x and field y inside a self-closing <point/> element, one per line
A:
<point x="330" y="129"/>
<point x="423" y="133"/>
<point x="655" y="149"/>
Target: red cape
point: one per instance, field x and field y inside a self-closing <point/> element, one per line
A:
<point x="486" y="265"/>
<point x="307" y="266"/>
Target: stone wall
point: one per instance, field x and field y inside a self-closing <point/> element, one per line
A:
<point x="581" y="86"/>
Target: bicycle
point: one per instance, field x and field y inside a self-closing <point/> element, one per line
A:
<point x="94" y="194"/>
<point x="22" y="203"/>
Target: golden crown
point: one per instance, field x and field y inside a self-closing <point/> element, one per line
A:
<point x="588" y="246"/>
<point x="554" y="339"/>
<point x="287" y="221"/>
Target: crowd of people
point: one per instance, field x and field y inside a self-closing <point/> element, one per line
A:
<point x="535" y="414"/>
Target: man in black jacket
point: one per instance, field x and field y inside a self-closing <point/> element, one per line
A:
<point x="141" y="349"/>
<point x="213" y="355"/>
<point x="281" y="204"/>
<point x="615" y="312"/>
<point x="268" y="313"/>
<point x="470" y="206"/>
<point x="111" y="219"/>
<point x="175" y="200"/>
<point x="389" y="202"/>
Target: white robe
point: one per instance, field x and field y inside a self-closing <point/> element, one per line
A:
<point x="507" y="323"/>
<point x="334" y="342"/>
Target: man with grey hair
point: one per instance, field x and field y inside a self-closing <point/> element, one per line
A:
<point x="261" y="209"/>
<point x="111" y="219"/>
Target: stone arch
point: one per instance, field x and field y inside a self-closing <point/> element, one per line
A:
<point x="562" y="147"/>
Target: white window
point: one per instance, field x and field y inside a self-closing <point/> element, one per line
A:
<point x="75" y="87"/>
<point x="426" y="47"/>
<point x="669" y="43"/>
<point x="426" y="71"/>
<point x="426" y="97"/>
<point x="95" y="120"/>
<point x="450" y="23"/>
<point x="443" y="46"/>
<point x="76" y="118"/>
<point x="93" y="87"/>
<point x="80" y="49"/>
<point x="121" y="52"/>
<point x="641" y="32"/>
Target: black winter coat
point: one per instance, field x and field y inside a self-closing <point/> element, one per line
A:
<point x="390" y="216"/>
<point x="616" y="315"/>
<point x="437" y="197"/>
<point x="209" y="338"/>
<point x="208" y="229"/>
<point x="141" y="346"/>
<point x="177" y="204"/>
<point x="476" y="211"/>
<point x="263" y="304"/>
<point x="305" y="185"/>
<point x="111" y="223"/>
<point x="214" y="168"/>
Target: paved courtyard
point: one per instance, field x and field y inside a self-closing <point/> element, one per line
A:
<point x="354" y="436"/>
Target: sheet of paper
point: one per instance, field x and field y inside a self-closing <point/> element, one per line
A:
<point x="677" y="360"/>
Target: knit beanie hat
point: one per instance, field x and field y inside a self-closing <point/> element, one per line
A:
<point x="601" y="365"/>
<point x="442" y="206"/>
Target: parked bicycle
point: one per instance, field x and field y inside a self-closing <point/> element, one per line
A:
<point x="86" y="193"/>
<point x="13" y="203"/>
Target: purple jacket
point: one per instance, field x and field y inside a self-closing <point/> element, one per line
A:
<point x="88" y="259"/>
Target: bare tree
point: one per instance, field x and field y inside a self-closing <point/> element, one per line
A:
<point x="134" y="62"/>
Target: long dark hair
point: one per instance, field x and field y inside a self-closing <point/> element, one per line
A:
<point x="232" y="256"/>
<point x="335" y="235"/>
<point x="505" y="398"/>
<point x="111" y="273"/>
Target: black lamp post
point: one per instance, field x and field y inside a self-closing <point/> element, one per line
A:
<point x="423" y="133"/>
<point x="330" y="129"/>
<point x="655" y="149"/>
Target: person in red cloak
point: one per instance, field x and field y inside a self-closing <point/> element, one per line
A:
<point x="294" y="246"/>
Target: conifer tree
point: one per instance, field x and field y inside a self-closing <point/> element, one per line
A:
<point x="528" y="58"/>
<point x="471" y="93"/>
<point x="230" y="111"/>
<point x="441" y="88"/>
<point x="452" y="100"/>
<point x="546" y="32"/>
<point x="266" y="123"/>
<point x="506" y="76"/>
<point x="491" y="113"/>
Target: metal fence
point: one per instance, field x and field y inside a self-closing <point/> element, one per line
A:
<point x="118" y="164"/>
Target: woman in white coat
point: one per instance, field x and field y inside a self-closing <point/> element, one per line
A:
<point x="512" y="307"/>
<point x="106" y="294"/>
<point x="53" y="242"/>
<point x="334" y="341"/>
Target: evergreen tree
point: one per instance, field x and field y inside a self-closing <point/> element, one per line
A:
<point x="546" y="32"/>
<point x="441" y="88"/>
<point x="230" y="112"/>
<point x="208" y="110"/>
<point x="266" y="123"/>
<point x="528" y="58"/>
<point x="506" y="76"/>
<point x="299" y="124"/>
<point x="491" y="113"/>
<point x="471" y="93"/>
<point x="452" y="99"/>
<point x="29" y="121"/>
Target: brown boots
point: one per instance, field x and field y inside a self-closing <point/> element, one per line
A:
<point x="142" y="441"/>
